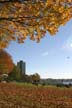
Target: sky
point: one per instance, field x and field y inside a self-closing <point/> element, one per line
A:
<point x="51" y="58"/>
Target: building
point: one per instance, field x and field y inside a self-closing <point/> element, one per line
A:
<point x="22" y="67"/>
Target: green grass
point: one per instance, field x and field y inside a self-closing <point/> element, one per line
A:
<point x="24" y="84"/>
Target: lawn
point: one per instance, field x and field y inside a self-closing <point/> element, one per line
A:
<point x="28" y="96"/>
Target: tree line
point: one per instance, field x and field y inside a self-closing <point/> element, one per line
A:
<point x="10" y="72"/>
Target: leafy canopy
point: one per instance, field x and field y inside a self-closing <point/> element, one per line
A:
<point x="22" y="18"/>
<point x="36" y="77"/>
<point x="6" y="63"/>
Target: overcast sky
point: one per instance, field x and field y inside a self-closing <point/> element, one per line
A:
<point x="51" y="58"/>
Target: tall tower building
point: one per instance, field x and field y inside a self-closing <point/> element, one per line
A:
<point x="22" y="67"/>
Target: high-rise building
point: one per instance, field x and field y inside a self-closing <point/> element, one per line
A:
<point x="22" y="67"/>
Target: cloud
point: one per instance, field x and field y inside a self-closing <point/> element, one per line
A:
<point x="45" y="54"/>
<point x="68" y="44"/>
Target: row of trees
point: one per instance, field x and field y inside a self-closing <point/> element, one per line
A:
<point x="10" y="72"/>
<point x="16" y="75"/>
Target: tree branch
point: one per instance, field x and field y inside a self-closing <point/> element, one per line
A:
<point x="33" y="1"/>
<point x="9" y="1"/>
<point x="19" y="21"/>
<point x="16" y="18"/>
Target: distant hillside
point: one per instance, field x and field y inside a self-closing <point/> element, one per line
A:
<point x="50" y="81"/>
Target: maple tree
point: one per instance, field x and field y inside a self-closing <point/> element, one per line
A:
<point x="22" y="18"/>
<point x="6" y="63"/>
<point x="35" y="78"/>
